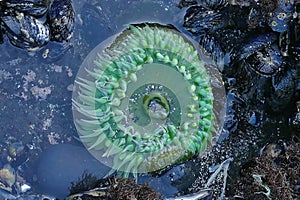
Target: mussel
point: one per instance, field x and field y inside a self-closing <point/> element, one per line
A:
<point x="25" y="31"/>
<point x="61" y="20"/>
<point x="30" y="7"/>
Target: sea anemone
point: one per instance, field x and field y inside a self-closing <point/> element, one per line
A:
<point x="144" y="102"/>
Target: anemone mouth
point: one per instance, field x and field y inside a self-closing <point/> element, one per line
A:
<point x="145" y="101"/>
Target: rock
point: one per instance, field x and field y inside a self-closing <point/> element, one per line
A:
<point x="62" y="164"/>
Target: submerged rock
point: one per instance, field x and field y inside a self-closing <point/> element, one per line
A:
<point x="62" y="164"/>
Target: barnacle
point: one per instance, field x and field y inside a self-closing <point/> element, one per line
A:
<point x="145" y="102"/>
<point x="283" y="15"/>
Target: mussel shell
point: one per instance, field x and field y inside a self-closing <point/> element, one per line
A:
<point x="211" y="48"/>
<point x="201" y="20"/>
<point x="284" y="84"/>
<point x="251" y="46"/>
<point x="61" y="20"/>
<point x="30" y="7"/>
<point x="282" y="16"/>
<point x="25" y="31"/>
<point x="280" y="21"/>
<point x="215" y="4"/>
<point x="289" y="41"/>
<point x="295" y="51"/>
<point x="234" y="104"/>
<point x="229" y="38"/>
<point x="186" y="3"/>
<point x="286" y="5"/>
<point x="265" y="62"/>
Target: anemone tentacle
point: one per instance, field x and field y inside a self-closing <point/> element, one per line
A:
<point x="146" y="103"/>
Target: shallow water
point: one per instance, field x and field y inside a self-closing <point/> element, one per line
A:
<point x="36" y="93"/>
<point x="35" y="103"/>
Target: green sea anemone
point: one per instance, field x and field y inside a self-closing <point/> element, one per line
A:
<point x="145" y="101"/>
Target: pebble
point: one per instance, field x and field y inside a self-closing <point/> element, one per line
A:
<point x="7" y="175"/>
